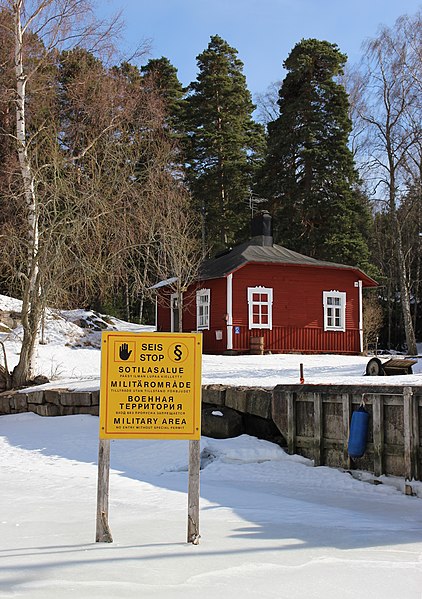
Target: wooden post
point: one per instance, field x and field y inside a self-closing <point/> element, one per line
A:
<point x="378" y="433"/>
<point x="291" y="423"/>
<point x="409" y="441"/>
<point x="193" y="492"/>
<point x="318" y="429"/>
<point x="416" y="439"/>
<point x="103" y="534"/>
<point x="347" y="411"/>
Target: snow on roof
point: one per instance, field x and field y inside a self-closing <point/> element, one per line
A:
<point x="164" y="283"/>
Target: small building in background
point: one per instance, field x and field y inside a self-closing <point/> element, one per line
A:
<point x="261" y="297"/>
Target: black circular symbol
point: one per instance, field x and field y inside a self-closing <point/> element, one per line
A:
<point x="178" y="352"/>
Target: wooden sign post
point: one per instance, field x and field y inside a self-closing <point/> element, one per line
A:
<point x="193" y="492"/>
<point x="103" y="534"/>
<point x="150" y="389"/>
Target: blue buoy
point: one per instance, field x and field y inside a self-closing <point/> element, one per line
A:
<point x="358" y="433"/>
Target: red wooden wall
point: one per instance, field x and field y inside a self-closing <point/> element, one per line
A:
<point x="298" y="316"/>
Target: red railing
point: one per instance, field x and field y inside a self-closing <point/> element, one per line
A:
<point x="286" y="340"/>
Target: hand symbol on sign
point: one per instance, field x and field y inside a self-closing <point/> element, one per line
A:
<point x="124" y="354"/>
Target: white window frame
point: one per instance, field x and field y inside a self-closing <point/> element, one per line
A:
<point x="259" y="304"/>
<point x="334" y="303"/>
<point x="203" y="307"/>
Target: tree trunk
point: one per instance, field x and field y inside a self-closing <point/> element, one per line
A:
<point x="401" y="262"/>
<point x="144" y="278"/>
<point x="405" y="300"/>
<point x="127" y="300"/>
<point x="223" y="200"/>
<point x="390" y="301"/>
<point x="180" y="311"/>
<point x="31" y="308"/>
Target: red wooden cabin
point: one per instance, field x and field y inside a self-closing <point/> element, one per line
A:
<point x="265" y="293"/>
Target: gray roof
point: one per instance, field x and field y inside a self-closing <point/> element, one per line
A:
<point x="261" y="249"/>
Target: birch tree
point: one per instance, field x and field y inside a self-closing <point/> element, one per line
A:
<point x="102" y="184"/>
<point x="54" y="24"/>
<point x="392" y="112"/>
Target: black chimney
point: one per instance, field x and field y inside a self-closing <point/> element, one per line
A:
<point x="261" y="228"/>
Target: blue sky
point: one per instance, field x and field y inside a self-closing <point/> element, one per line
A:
<point x="263" y="31"/>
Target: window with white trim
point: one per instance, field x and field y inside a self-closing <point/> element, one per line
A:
<point x="334" y="303"/>
<point x="260" y="307"/>
<point x="203" y="297"/>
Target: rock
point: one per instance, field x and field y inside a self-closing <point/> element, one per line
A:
<point x="221" y="423"/>
<point x="3" y="379"/>
<point x="10" y="319"/>
<point x="40" y="379"/>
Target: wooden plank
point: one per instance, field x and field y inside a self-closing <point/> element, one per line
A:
<point x="408" y="433"/>
<point x="318" y="430"/>
<point x="103" y="534"/>
<point x="305" y="443"/>
<point x="392" y="450"/>
<point x="393" y="400"/>
<point x="291" y="423"/>
<point x="193" y="492"/>
<point x="400" y="363"/>
<point x="308" y="443"/>
<point x="378" y="433"/>
<point x="332" y="399"/>
<point x="333" y="444"/>
<point x="347" y="410"/>
<point x="416" y="439"/>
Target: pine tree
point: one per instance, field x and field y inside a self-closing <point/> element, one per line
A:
<point x="162" y="76"/>
<point x="223" y="145"/>
<point x="309" y="176"/>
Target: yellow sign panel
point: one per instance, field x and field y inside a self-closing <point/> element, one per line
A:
<point x="150" y="385"/>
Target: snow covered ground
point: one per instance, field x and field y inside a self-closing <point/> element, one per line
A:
<point x="271" y="525"/>
<point x="71" y="357"/>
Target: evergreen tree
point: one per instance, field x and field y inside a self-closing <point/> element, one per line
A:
<point x="161" y="75"/>
<point x="310" y="177"/>
<point x="223" y="145"/>
<point x="79" y="88"/>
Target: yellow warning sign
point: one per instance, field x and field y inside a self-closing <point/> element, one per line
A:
<point x="150" y="385"/>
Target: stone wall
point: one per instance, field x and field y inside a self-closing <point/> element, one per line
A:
<point x="311" y="420"/>
<point x="48" y="402"/>
<point x="227" y="411"/>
